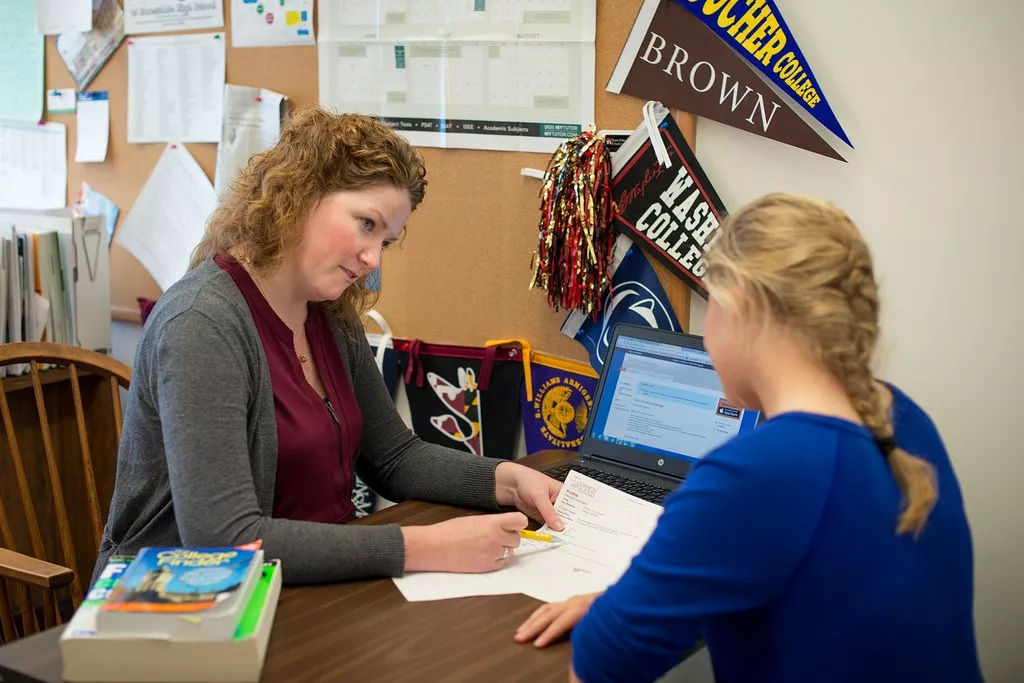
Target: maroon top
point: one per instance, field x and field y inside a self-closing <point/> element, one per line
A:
<point x="317" y="438"/>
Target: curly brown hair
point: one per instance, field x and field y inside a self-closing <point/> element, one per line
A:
<point x="262" y="214"/>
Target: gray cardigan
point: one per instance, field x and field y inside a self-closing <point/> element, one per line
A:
<point x="198" y="455"/>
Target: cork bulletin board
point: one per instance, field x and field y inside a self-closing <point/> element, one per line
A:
<point x="461" y="274"/>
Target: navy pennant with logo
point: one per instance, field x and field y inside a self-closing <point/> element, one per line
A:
<point x="635" y="297"/>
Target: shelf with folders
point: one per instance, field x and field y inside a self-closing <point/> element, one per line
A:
<point x="54" y="280"/>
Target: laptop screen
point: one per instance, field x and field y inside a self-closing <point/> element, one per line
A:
<point x="660" y="404"/>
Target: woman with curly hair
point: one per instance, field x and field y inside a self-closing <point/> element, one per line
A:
<point x="829" y="544"/>
<point x="255" y="398"/>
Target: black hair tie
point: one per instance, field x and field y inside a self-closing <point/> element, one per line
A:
<point x="886" y="445"/>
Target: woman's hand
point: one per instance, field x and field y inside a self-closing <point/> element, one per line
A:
<point x="529" y="491"/>
<point x="474" y="544"/>
<point x="552" y="621"/>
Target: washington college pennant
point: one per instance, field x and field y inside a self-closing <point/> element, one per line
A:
<point x="672" y="212"/>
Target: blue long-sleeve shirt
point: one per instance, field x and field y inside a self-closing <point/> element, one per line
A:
<point x="781" y="549"/>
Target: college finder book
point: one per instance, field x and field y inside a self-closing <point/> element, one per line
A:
<point x="190" y="593"/>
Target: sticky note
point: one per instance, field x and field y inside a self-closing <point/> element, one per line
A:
<point x="61" y="101"/>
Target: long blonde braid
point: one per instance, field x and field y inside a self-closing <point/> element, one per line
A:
<point x="804" y="263"/>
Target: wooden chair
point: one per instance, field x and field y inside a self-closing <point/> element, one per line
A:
<point x="58" y="455"/>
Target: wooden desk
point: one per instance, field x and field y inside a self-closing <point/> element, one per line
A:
<point x="366" y="631"/>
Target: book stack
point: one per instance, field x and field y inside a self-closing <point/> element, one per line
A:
<point x="175" y="614"/>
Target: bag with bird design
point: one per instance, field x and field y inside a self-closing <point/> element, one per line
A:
<point x="463" y="397"/>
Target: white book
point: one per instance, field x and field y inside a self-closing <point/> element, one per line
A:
<point x="90" y="655"/>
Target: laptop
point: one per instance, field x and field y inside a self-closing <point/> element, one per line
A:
<point x="659" y="409"/>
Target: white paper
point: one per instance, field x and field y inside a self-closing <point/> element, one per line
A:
<point x="604" y="529"/>
<point x="513" y="75"/>
<point x="33" y="166"/>
<point x="61" y="101"/>
<point x="58" y="16"/>
<point x="176" y="88"/>
<point x="93" y="126"/>
<point x="21" y="58"/>
<point x="152" y="16"/>
<point x="252" y="123"/>
<point x="404" y="20"/>
<point x="84" y="54"/>
<point x="258" y="24"/>
<point x="169" y="216"/>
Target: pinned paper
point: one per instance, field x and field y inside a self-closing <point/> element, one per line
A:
<point x="21" y="54"/>
<point x="153" y="16"/>
<point x="167" y="97"/>
<point x="282" y="22"/>
<point x="60" y="16"/>
<point x="60" y="101"/>
<point x="168" y="218"/>
<point x="252" y="123"/>
<point x="93" y="126"/>
<point x="36" y="176"/>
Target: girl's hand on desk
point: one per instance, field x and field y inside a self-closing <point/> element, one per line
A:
<point x="552" y="621"/>
<point x="529" y="491"/>
<point x="475" y="544"/>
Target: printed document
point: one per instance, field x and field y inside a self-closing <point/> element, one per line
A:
<point x="33" y="165"/>
<point x="287" y="23"/>
<point x="513" y="75"/>
<point x="252" y="123"/>
<point x="169" y="216"/>
<point x="152" y="16"/>
<point x="21" y="54"/>
<point x="176" y="88"/>
<point x="604" y="529"/>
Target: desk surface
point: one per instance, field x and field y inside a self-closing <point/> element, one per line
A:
<point x="366" y="631"/>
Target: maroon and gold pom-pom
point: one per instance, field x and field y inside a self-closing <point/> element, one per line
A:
<point x="576" y="237"/>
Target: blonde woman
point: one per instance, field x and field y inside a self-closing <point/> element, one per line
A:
<point x="255" y="395"/>
<point x="830" y="544"/>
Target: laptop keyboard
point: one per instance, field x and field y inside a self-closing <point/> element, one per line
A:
<point x="642" y="490"/>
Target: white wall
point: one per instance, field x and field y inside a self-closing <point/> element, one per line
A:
<point x="930" y="93"/>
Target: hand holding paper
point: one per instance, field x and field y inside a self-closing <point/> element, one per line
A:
<point x="604" y="529"/>
<point x="529" y="491"/>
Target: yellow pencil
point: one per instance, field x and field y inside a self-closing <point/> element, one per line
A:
<point x="535" y="535"/>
